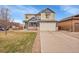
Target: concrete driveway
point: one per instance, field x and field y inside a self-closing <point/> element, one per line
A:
<point x="59" y="42"/>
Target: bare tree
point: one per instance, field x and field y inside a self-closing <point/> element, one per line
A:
<point x="5" y="17"/>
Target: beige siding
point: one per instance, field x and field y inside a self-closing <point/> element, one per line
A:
<point x="51" y="17"/>
<point x="43" y="17"/>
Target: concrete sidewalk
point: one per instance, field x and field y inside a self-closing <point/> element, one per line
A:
<point x="58" y="42"/>
<point x="37" y="45"/>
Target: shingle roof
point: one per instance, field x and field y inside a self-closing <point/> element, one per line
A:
<point x="69" y="18"/>
<point x="35" y="19"/>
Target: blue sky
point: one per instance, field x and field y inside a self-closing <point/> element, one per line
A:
<point x="62" y="11"/>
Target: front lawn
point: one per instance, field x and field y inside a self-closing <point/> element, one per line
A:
<point x="17" y="41"/>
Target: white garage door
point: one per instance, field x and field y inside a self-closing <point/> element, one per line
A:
<point x="47" y="26"/>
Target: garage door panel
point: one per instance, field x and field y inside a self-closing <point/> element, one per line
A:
<point x="77" y="27"/>
<point x="47" y="26"/>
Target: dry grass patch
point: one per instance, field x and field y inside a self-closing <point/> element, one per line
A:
<point x="17" y="41"/>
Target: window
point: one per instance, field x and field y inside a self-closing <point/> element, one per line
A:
<point x="47" y="15"/>
<point x="32" y="24"/>
<point x="26" y="17"/>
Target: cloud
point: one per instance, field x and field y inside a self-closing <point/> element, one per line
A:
<point x="27" y="9"/>
<point x="20" y="8"/>
<point x="70" y="9"/>
<point x="17" y="11"/>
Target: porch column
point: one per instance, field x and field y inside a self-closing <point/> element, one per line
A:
<point x="26" y="25"/>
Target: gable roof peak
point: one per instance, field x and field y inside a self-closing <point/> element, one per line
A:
<point x="47" y="10"/>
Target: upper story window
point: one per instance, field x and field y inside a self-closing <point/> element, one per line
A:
<point x="47" y="15"/>
<point x="26" y="17"/>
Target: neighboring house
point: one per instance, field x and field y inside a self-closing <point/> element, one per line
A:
<point x="43" y="21"/>
<point x="10" y="25"/>
<point x="16" y="26"/>
<point x="69" y="24"/>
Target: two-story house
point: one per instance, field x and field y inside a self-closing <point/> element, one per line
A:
<point x="44" y="21"/>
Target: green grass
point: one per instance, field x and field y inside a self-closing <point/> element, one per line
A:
<point x="17" y="42"/>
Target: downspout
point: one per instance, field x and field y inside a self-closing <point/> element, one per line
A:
<point x="71" y="25"/>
